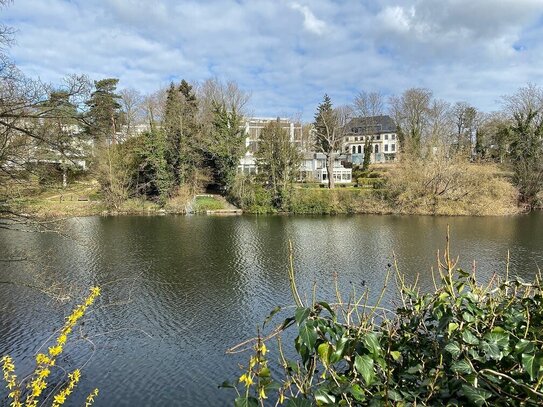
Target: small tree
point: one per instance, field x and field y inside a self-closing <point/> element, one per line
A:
<point x="329" y="131"/>
<point x="278" y="161"/>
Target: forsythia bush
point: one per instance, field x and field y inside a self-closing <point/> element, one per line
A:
<point x="28" y="394"/>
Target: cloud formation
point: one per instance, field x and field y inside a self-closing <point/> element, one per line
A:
<point x="311" y="23"/>
<point x="288" y="54"/>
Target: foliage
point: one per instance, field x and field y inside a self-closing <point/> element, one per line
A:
<point x="225" y="145"/>
<point x="250" y="195"/>
<point x="32" y="388"/>
<point x="278" y="161"/>
<point x="103" y="116"/>
<point x="442" y="184"/>
<point x="464" y="344"/>
<point x="181" y="132"/>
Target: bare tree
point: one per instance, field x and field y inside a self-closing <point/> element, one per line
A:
<point x="369" y="104"/>
<point x="330" y="126"/>
<point x="410" y="112"/>
<point x="132" y="107"/>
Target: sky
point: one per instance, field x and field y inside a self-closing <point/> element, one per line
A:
<point x="287" y="54"/>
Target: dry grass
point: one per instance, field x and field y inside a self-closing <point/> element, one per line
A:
<point x="439" y="185"/>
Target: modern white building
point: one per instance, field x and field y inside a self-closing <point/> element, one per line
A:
<point x="313" y="169"/>
<point x="253" y="129"/>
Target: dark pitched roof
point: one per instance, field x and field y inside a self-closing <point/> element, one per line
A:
<point x="372" y="125"/>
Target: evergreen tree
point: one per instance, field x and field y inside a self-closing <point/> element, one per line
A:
<point x="181" y="131"/>
<point x="103" y="117"/>
<point x="225" y="144"/>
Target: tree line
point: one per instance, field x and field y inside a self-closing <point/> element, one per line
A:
<point x="190" y="135"/>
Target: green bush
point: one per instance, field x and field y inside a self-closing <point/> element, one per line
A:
<point x="464" y="344"/>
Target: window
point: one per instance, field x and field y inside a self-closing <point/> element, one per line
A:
<point x="377" y="137"/>
<point x="393" y="137"/>
<point x="393" y="147"/>
<point x="386" y="147"/>
<point x="376" y="148"/>
<point x="346" y="176"/>
<point x="386" y="137"/>
<point x="354" y="149"/>
<point x="359" y="149"/>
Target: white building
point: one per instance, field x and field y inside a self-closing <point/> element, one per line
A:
<point x="313" y="168"/>
<point x="253" y="129"/>
<point x="380" y="131"/>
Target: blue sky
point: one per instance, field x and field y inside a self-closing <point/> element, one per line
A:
<point x="289" y="53"/>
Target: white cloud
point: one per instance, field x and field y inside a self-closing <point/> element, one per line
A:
<point x="311" y="23"/>
<point x="461" y="49"/>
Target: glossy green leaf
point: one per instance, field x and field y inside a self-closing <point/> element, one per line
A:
<point x="531" y="364"/>
<point x="453" y="348"/>
<point x="308" y="335"/>
<point x="476" y="395"/>
<point x="469" y="338"/>
<point x="371" y="342"/>
<point x="245" y="402"/>
<point x="325" y="350"/>
<point x="301" y="314"/>
<point x="299" y="402"/>
<point x="364" y="366"/>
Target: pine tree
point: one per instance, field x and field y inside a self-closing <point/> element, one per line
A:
<point x="104" y="112"/>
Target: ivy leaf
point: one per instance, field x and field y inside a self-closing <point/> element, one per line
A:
<point x="301" y="314"/>
<point x="469" y="338"/>
<point x="531" y="364"/>
<point x="364" y="366"/>
<point x="461" y="366"/>
<point x="453" y="349"/>
<point x="476" y="395"/>
<point x="371" y="342"/>
<point x="308" y="335"/>
<point x="245" y="402"/>
<point x="524" y="346"/>
<point x="298" y="402"/>
<point x="395" y="354"/>
<point x="322" y="397"/>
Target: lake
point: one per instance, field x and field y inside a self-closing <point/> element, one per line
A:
<point x="179" y="290"/>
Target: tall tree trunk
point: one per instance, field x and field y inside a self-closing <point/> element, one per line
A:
<point x="330" y="170"/>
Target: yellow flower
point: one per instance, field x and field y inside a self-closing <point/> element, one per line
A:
<point x="262" y="394"/>
<point x="246" y="377"/>
<point x="263" y="349"/>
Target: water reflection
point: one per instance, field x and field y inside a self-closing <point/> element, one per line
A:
<point x="179" y="290"/>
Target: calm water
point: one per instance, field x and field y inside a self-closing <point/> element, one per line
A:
<point x="178" y="291"/>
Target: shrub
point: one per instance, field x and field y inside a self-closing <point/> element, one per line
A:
<point x="33" y="387"/>
<point x="464" y="344"/>
<point x="443" y="185"/>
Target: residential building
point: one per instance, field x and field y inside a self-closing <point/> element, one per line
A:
<point x="313" y="169"/>
<point x="253" y="129"/>
<point x="379" y="131"/>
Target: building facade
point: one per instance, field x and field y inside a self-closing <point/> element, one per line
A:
<point x="378" y="131"/>
<point x="253" y="130"/>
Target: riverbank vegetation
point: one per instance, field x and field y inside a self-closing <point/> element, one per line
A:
<point x="465" y="343"/>
<point x="162" y="148"/>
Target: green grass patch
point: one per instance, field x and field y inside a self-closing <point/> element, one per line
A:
<point x="207" y="203"/>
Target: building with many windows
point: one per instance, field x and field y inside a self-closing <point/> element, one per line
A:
<point x="379" y="131"/>
<point x="253" y="129"/>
